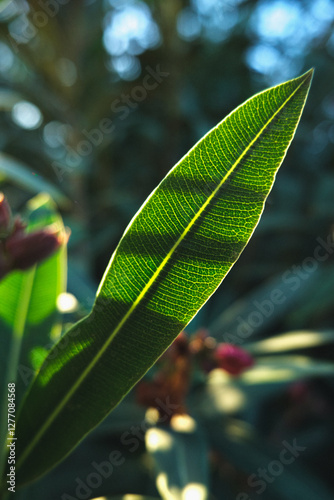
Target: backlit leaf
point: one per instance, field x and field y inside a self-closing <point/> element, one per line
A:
<point x="172" y="257"/>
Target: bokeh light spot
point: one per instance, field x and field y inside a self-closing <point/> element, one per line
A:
<point x="129" y="31"/>
<point x="277" y="20"/>
<point x="26" y="115"/>
<point x="188" y="25"/>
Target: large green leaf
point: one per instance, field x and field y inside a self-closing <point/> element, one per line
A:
<point x="28" y="310"/>
<point x="172" y="257"/>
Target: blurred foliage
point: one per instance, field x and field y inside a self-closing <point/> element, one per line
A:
<point x="78" y="122"/>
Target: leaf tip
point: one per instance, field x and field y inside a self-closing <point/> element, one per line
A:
<point x="308" y="75"/>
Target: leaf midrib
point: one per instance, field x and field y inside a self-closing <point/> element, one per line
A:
<point x="152" y="280"/>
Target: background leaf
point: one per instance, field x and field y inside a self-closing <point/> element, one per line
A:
<point x="255" y="312"/>
<point x="28" y="310"/>
<point x="243" y="448"/>
<point x="296" y="340"/>
<point x="181" y="460"/>
<point x="25" y="177"/>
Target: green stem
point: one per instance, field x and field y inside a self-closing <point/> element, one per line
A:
<point x="13" y="361"/>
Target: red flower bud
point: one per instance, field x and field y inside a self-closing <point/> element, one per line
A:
<point x="5" y="216"/>
<point x="26" y="250"/>
<point x="233" y="359"/>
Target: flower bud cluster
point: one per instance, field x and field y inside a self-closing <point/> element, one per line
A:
<point x="172" y="377"/>
<point x="20" y="250"/>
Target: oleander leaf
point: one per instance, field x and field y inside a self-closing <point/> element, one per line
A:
<point x="171" y="258"/>
<point x="28" y="311"/>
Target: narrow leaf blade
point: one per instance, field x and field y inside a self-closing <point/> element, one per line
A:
<point x="28" y="311"/>
<point x="172" y="257"/>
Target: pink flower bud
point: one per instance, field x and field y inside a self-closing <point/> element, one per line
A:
<point x="26" y="250"/>
<point x="233" y="359"/>
<point x="5" y="216"/>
